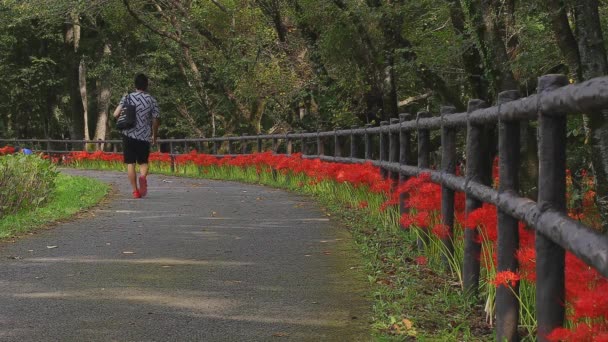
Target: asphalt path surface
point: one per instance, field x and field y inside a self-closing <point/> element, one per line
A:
<point x="196" y="260"/>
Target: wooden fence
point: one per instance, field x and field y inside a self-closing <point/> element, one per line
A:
<point x="390" y="146"/>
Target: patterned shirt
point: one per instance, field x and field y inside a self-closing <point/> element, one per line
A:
<point x="146" y="108"/>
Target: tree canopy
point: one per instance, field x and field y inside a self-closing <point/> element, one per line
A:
<point x="248" y="66"/>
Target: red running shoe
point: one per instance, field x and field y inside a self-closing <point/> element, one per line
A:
<point x="136" y="194"/>
<point x="143" y="186"/>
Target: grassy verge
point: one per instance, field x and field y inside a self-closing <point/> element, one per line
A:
<point x="71" y="195"/>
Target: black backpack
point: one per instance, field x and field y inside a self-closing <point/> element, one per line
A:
<point x="127" y="118"/>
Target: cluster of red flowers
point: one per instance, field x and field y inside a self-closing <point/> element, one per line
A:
<point x="585" y="287"/>
<point x="7" y="150"/>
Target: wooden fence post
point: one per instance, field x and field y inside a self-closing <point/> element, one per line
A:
<point x="244" y="144"/>
<point x="424" y="151"/>
<point x="275" y="145"/>
<point x="368" y="143"/>
<point x="337" y="146"/>
<point x="214" y="147"/>
<point x="448" y="166"/>
<point x="320" y="147"/>
<point x="393" y="154"/>
<point x="288" y="144"/>
<point x="404" y="153"/>
<point x="172" y="157"/>
<point x="478" y="170"/>
<point x="353" y="144"/>
<point x="229" y="143"/>
<point x="259" y="143"/>
<point x="507" y="304"/>
<point x="303" y="145"/>
<point x="550" y="257"/>
<point x="383" y="148"/>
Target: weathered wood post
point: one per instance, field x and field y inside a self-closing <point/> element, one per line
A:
<point x="368" y="143"/>
<point x="550" y="257"/>
<point x="424" y="152"/>
<point x="244" y="143"/>
<point x="320" y="147"/>
<point x="353" y="143"/>
<point x="259" y="143"/>
<point x="507" y="304"/>
<point x="303" y="144"/>
<point x="337" y="146"/>
<point x="229" y="143"/>
<point x="384" y="148"/>
<point x="448" y="166"/>
<point x="288" y="144"/>
<point x="275" y="145"/>
<point x="404" y="153"/>
<point x="393" y="151"/>
<point x="476" y="171"/>
<point x="215" y="147"/>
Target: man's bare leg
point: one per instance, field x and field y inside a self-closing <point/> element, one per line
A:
<point x="143" y="170"/>
<point x="143" y="182"/>
<point x="132" y="176"/>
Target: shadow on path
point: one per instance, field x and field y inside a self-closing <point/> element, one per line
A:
<point x="196" y="260"/>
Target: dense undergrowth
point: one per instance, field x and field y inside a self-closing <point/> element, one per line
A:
<point x="417" y="291"/>
<point x="26" y="182"/>
<point x="33" y="193"/>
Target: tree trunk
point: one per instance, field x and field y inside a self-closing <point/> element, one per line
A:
<point x="564" y="36"/>
<point x="71" y="42"/>
<point x="594" y="64"/>
<point x="103" y="100"/>
<point x="471" y="58"/>
<point x="82" y="85"/>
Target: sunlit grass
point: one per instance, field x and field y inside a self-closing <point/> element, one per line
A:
<point x="71" y="195"/>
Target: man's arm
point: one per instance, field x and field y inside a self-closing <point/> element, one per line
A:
<point x="155" y="124"/>
<point x="117" y="111"/>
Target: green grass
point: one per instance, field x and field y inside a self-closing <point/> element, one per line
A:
<point x="72" y="195"/>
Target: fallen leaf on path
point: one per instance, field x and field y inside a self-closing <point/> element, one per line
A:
<point x="327" y="252"/>
<point x="51" y="247"/>
<point x="128" y="252"/>
<point x="407" y="323"/>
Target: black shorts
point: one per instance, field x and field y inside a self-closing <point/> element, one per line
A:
<point x="135" y="150"/>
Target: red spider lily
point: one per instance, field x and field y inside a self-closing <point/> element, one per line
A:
<point x="442" y="231"/>
<point x="485" y="219"/>
<point x="506" y="278"/>
<point x="422" y="260"/>
<point x="362" y="205"/>
<point x="526" y="256"/>
<point x="7" y="150"/>
<point x="420" y="219"/>
<point x="581" y="333"/>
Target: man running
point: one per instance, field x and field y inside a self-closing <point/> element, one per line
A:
<point x="136" y="141"/>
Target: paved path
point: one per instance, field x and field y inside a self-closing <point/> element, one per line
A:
<point x="195" y="260"/>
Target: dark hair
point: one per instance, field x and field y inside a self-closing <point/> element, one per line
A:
<point x="141" y="82"/>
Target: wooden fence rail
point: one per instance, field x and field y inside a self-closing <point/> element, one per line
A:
<point x="555" y="231"/>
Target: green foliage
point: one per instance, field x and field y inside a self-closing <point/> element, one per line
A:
<point x="69" y="196"/>
<point x="26" y="182"/>
<point x="226" y="63"/>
